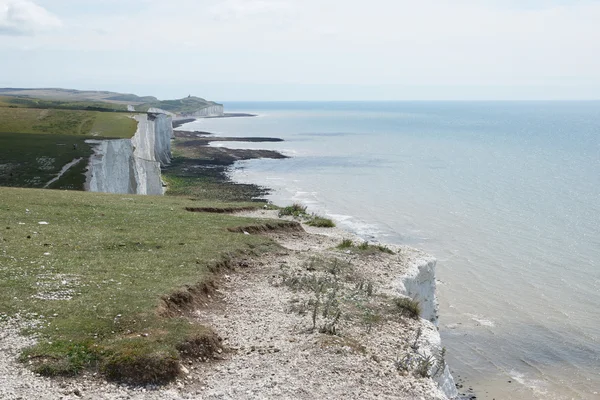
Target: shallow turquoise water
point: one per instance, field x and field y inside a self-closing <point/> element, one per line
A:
<point x="506" y="195"/>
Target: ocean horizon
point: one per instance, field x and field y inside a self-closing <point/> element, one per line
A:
<point x="506" y="195"/>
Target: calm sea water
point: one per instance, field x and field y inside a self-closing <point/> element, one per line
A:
<point x="505" y="195"/>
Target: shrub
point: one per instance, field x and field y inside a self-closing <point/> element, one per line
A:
<point x="408" y="307"/>
<point x="424" y="365"/>
<point x="295" y="210"/>
<point x="321" y="222"/>
<point x="346" y="244"/>
<point x="364" y="247"/>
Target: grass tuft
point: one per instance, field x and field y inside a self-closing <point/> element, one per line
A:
<point x="321" y="222"/>
<point x="296" y="210"/>
<point x="346" y="244"/>
<point x="141" y="362"/>
<point x="61" y="358"/>
<point x="408" y="307"/>
<point x="364" y="247"/>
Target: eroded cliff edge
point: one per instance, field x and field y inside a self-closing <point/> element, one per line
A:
<point x="418" y="282"/>
<point x="132" y="166"/>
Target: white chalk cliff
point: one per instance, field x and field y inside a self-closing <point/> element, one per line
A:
<point x="132" y="165"/>
<point x="418" y="283"/>
<point x="209" y="111"/>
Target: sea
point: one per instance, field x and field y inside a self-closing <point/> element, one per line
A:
<point x="506" y="196"/>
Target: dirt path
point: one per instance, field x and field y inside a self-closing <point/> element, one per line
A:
<point x="64" y="169"/>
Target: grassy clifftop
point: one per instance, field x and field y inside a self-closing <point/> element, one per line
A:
<point x="30" y="102"/>
<point x="23" y="114"/>
<point x="70" y="95"/>
<point x="108" y="278"/>
<point x="66" y="122"/>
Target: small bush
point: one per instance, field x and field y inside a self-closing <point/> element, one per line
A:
<point x="424" y="365"/>
<point x="329" y="327"/>
<point x="295" y="210"/>
<point x="346" y="244"/>
<point x="384" y="249"/>
<point x="321" y="222"/>
<point x="408" y="307"/>
<point x="371" y="318"/>
<point x="419" y="364"/>
<point x="364" y="247"/>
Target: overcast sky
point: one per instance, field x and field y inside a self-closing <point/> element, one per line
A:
<point x="306" y="49"/>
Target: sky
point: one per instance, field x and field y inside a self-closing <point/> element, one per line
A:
<point x="229" y="50"/>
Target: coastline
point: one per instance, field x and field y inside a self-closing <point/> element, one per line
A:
<point x="474" y="323"/>
<point x="418" y="283"/>
<point x="366" y="353"/>
<point x="470" y="325"/>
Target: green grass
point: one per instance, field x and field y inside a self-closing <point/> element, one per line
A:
<point x="407" y="307"/>
<point x="345" y="244"/>
<point x="364" y="247"/>
<point x="209" y="185"/>
<point x="321" y="222"/>
<point x="32" y="160"/>
<point x="114" y="125"/>
<point x="102" y="276"/>
<point x="195" y="174"/>
<point x="296" y="210"/>
<point x="66" y="122"/>
<point x="30" y="102"/>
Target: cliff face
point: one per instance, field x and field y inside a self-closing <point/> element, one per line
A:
<point x="152" y="140"/>
<point x="419" y="284"/>
<point x="210" y="111"/>
<point x="132" y="165"/>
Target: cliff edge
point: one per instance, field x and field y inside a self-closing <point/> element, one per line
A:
<point x="418" y="282"/>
